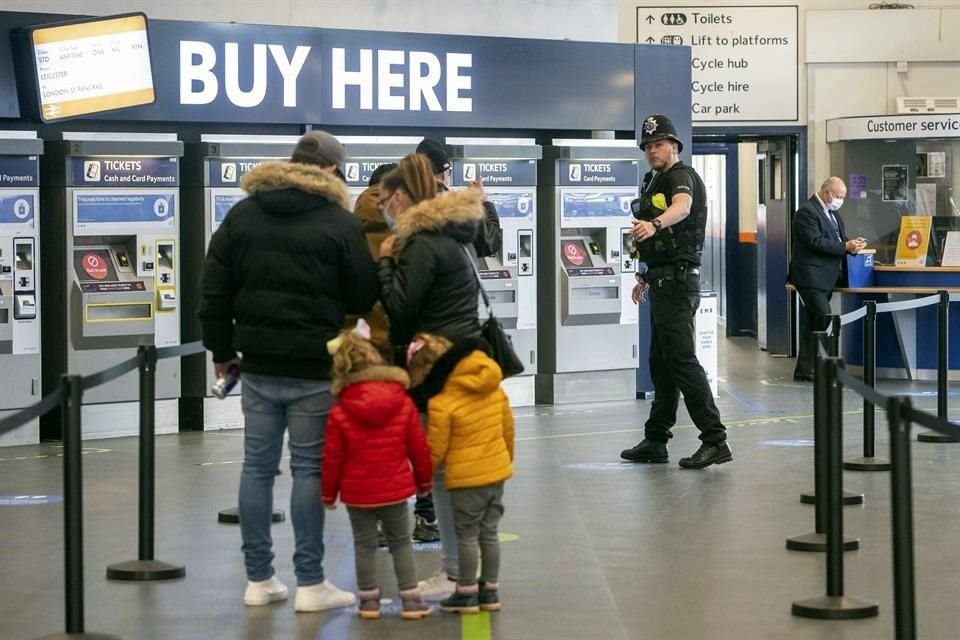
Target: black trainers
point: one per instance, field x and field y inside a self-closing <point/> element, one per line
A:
<point x="646" y="451"/>
<point x="461" y="603"/>
<point x="489" y="599"/>
<point x="424" y="531"/>
<point x="707" y="455"/>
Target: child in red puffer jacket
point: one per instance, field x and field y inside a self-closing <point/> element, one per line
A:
<point x="375" y="458"/>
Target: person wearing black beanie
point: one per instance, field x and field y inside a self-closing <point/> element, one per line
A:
<point x="489" y="238"/>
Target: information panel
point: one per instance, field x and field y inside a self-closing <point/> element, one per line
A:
<point x="744" y="58"/>
<point x="92" y="66"/>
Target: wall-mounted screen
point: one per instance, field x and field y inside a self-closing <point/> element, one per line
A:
<point x="91" y="66"/>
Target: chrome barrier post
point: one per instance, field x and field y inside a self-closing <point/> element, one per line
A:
<point x="904" y="598"/>
<point x="145" y="567"/>
<point x="835" y="605"/>
<point x="943" y="369"/>
<point x="869" y="461"/>
<point x="832" y="344"/>
<point x="817" y="541"/>
<point x="70" y="415"/>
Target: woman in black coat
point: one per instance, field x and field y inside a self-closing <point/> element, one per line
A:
<point x="428" y="285"/>
<point x="426" y="269"/>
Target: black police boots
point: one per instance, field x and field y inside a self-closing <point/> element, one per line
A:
<point x="646" y="451"/>
<point x="707" y="455"/>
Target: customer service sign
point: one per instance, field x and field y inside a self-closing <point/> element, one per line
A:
<point x="894" y="127"/>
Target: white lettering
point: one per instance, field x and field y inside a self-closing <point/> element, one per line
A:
<point x="457" y="82"/>
<point x="289" y="70"/>
<point x="387" y="80"/>
<point x="258" y="90"/>
<point x="340" y="78"/>
<point x="422" y="86"/>
<point x="202" y="73"/>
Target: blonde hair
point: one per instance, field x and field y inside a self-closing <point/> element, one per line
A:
<point x="414" y="175"/>
<point x="426" y="349"/>
<point x="353" y="355"/>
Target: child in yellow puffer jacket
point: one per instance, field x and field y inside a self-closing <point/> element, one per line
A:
<point x="470" y="431"/>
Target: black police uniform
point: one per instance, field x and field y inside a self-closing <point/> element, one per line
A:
<point x="672" y="256"/>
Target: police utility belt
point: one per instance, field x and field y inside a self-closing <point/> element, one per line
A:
<point x="676" y="271"/>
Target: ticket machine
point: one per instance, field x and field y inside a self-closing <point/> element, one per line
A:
<point x="366" y="153"/>
<point x="588" y="334"/>
<point x="19" y="280"/>
<point x="112" y="261"/>
<point x="212" y="171"/>
<point x="508" y="170"/>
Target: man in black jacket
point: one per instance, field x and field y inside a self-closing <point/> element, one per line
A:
<point x="489" y="238"/>
<point x="282" y="271"/>
<point x="819" y="246"/>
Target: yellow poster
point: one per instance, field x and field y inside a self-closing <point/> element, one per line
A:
<point x="913" y="241"/>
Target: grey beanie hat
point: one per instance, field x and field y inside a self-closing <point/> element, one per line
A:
<point x="319" y="148"/>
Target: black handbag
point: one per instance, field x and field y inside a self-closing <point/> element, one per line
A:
<point x="501" y="346"/>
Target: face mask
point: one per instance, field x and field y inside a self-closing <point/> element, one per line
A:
<point x="390" y="220"/>
<point x="835" y="204"/>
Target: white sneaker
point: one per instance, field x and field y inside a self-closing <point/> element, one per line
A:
<point x="323" y="596"/>
<point x="264" y="592"/>
<point x="437" y="586"/>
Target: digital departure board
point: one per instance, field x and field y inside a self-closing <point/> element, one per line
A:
<point x="90" y="66"/>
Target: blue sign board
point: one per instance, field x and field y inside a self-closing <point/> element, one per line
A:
<point x="504" y="173"/>
<point x="513" y="205"/>
<point x="229" y="172"/>
<point x="283" y="74"/>
<point x="592" y="204"/>
<point x="17" y="208"/>
<point x="598" y="173"/>
<point x="124" y="208"/>
<point x="357" y="171"/>
<point x="124" y="172"/>
<point x="222" y="203"/>
<point x="240" y="73"/>
<point x="19" y="171"/>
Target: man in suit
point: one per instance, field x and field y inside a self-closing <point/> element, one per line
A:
<point x="819" y="247"/>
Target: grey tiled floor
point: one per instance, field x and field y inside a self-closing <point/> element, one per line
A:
<point x="605" y="550"/>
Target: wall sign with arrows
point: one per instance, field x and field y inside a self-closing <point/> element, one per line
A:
<point x="745" y="58"/>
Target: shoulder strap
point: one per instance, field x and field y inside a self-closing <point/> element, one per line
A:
<point x="476" y="272"/>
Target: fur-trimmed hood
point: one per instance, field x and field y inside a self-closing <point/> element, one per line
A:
<point x="373" y="397"/>
<point x="376" y="373"/>
<point x="443" y="368"/>
<point x="456" y="213"/>
<point x="292" y="187"/>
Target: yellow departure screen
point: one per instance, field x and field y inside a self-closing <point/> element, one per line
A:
<point x="92" y="66"/>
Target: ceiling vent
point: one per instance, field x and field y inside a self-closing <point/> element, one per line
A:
<point x="928" y="105"/>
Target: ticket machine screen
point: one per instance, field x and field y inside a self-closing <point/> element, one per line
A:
<point x="574" y="254"/>
<point x="94" y="265"/>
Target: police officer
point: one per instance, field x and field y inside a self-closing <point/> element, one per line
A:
<point x="671" y="221"/>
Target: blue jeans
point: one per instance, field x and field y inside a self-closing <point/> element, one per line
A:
<point x="271" y="405"/>
<point x="449" y="556"/>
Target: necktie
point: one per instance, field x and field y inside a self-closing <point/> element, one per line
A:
<point x="833" y="221"/>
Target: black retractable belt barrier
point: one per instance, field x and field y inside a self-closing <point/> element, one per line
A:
<point x="904" y="599"/>
<point x="831" y="341"/>
<point x="817" y="541"/>
<point x="145" y="567"/>
<point x="834" y="605"/>
<point x="943" y="352"/>
<point x="869" y="461"/>
<point x="73" y="512"/>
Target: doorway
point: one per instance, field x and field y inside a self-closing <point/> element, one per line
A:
<point x="753" y="183"/>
